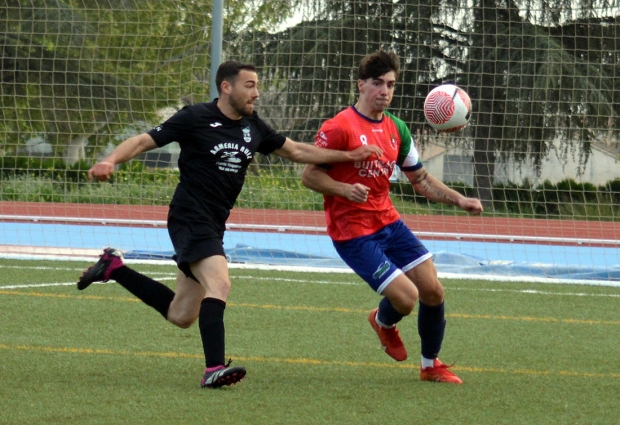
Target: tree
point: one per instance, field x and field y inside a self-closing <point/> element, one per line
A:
<point x="79" y="71"/>
<point x="532" y="89"/>
<point x="534" y="79"/>
<point x="314" y="63"/>
<point x="68" y="71"/>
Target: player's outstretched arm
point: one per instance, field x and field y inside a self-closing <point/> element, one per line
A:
<point x="315" y="178"/>
<point x="124" y="152"/>
<point x="434" y="190"/>
<point x="310" y="154"/>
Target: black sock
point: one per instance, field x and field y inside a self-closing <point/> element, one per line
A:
<point x="151" y="292"/>
<point x="387" y="314"/>
<point x="211" y="323"/>
<point x="431" y="326"/>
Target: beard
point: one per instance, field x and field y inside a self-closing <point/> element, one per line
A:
<point x="241" y="106"/>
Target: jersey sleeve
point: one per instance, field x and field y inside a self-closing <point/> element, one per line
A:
<point x="330" y="136"/>
<point x="408" y="157"/>
<point x="174" y="128"/>
<point x="271" y="140"/>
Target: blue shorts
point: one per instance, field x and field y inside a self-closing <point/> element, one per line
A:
<point x="381" y="257"/>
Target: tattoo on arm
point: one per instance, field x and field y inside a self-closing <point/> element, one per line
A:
<point x="433" y="189"/>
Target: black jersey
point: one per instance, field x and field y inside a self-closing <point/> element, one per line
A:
<point x="215" y="154"/>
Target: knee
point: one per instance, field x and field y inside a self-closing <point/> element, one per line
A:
<point x="216" y="287"/>
<point x="405" y="302"/>
<point x="219" y="289"/>
<point x="406" y="306"/>
<point x="434" y="295"/>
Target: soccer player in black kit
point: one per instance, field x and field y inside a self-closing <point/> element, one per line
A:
<point x="218" y="141"/>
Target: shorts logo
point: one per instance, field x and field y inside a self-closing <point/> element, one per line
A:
<point x="383" y="268"/>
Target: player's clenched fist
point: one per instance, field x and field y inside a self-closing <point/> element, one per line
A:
<point x="101" y="171"/>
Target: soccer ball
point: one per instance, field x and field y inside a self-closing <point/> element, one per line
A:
<point x="447" y="108"/>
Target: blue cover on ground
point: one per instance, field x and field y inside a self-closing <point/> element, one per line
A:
<point x="444" y="261"/>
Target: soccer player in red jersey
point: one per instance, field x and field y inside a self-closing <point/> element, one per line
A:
<point x="363" y="224"/>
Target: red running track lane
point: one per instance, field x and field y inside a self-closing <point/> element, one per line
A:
<point x="557" y="232"/>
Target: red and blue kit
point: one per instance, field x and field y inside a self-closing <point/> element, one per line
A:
<point x="349" y="130"/>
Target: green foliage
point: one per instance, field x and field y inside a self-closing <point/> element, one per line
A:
<point x="533" y="77"/>
<point x="23" y="188"/>
<point x="50" y="180"/>
<point x="279" y="187"/>
<point x="75" y="69"/>
<point x="547" y="200"/>
<point x="566" y="199"/>
<point x="50" y="168"/>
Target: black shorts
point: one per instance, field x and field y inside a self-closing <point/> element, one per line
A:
<point x="194" y="237"/>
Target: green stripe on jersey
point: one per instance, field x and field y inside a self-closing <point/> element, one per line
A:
<point x="405" y="137"/>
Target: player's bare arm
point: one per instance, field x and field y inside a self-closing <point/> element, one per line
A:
<point x="124" y="152"/>
<point x="315" y="178"/>
<point x="310" y="154"/>
<point x="434" y="190"/>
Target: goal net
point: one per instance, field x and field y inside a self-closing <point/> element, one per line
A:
<point x="541" y="150"/>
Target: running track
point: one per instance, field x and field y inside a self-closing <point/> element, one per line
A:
<point x="493" y="229"/>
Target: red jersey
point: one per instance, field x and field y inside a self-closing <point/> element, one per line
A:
<point x="349" y="130"/>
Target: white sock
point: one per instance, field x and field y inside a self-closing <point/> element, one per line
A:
<point x="427" y="362"/>
<point x="383" y="325"/>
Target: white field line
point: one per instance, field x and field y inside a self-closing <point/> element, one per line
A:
<point x="89" y="255"/>
<point x="52" y="284"/>
<point x="270" y="267"/>
<point x="172" y="277"/>
<point x="534" y="292"/>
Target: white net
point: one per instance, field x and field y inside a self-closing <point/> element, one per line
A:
<point x="541" y="149"/>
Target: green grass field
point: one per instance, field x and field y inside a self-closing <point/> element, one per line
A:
<point x="528" y="354"/>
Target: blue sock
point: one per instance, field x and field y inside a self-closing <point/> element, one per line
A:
<point x="387" y="314"/>
<point x="431" y="326"/>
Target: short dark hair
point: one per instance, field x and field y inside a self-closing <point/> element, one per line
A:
<point x="229" y="70"/>
<point x="377" y="64"/>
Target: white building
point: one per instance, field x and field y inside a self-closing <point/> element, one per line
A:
<point x="454" y="164"/>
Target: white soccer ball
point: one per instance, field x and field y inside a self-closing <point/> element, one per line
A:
<point x="447" y="108"/>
